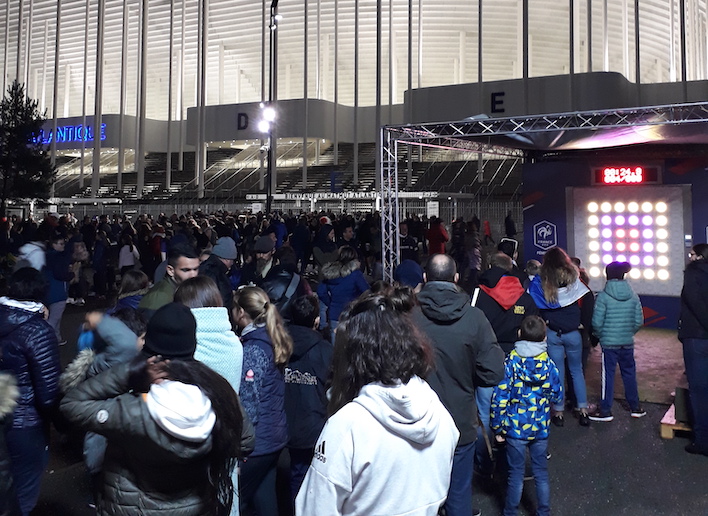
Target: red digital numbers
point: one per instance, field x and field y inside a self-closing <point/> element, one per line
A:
<point x="622" y="175"/>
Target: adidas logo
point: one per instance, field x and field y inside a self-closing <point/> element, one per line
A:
<point x="320" y="452"/>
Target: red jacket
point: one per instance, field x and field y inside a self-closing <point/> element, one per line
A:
<point x="437" y="236"/>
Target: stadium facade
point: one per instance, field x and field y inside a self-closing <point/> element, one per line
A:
<point x="178" y="78"/>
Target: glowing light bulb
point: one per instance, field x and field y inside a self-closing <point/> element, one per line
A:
<point x="633" y="220"/>
<point x="634" y="260"/>
<point x="594" y="245"/>
<point x="621" y="233"/>
<point x="621" y="258"/>
<point x="647" y="220"/>
<point x="606" y="220"/>
<point x="648" y="261"/>
<point x="649" y="274"/>
<point x="634" y="247"/>
<point x="662" y="261"/>
<point x="633" y="207"/>
<point x="635" y="273"/>
<point x="619" y="207"/>
<point x="607" y="246"/>
<point x="606" y="233"/>
<point x="607" y="259"/>
<point x="619" y="220"/>
<point x="621" y="247"/>
<point x="661" y="220"/>
<point x="662" y="247"/>
<point x="648" y="233"/>
<point x="661" y="207"/>
<point x="647" y="207"/>
<point x="595" y="272"/>
<point x="594" y="258"/>
<point x="634" y="233"/>
<point x="606" y="207"/>
<point x="593" y="233"/>
<point x="648" y="247"/>
<point x="662" y="234"/>
<point x="593" y="207"/>
<point x="593" y="220"/>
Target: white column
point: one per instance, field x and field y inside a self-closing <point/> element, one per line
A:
<point x="98" y="106"/>
<point x="28" y="43"/>
<point x="180" y="89"/>
<point x="123" y="84"/>
<point x="305" y="94"/>
<point x="20" y="23"/>
<point x="67" y="89"/>
<point x="55" y="94"/>
<point x="221" y="72"/>
<point x="336" y="82"/>
<point x="45" y="51"/>
<point x="140" y="152"/>
<point x="170" y="77"/>
<point x="84" y="90"/>
<point x="6" y="45"/>
<point x="355" y="164"/>
<point x="605" y="38"/>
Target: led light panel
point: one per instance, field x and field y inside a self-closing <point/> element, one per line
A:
<point x="631" y="223"/>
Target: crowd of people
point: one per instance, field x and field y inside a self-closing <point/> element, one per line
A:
<point x="231" y="338"/>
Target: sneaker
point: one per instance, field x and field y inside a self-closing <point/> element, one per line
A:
<point x="476" y="512"/>
<point x="79" y="301"/>
<point x="548" y="455"/>
<point x="70" y="301"/>
<point x="599" y="416"/>
<point x="638" y="412"/>
<point x="62" y="343"/>
<point x="558" y="420"/>
<point x="583" y="419"/>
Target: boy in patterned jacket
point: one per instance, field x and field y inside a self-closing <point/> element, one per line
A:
<point x="521" y="412"/>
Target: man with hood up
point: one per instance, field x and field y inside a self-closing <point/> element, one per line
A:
<point x="466" y="356"/>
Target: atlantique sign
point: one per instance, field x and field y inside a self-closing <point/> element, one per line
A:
<point x="71" y="133"/>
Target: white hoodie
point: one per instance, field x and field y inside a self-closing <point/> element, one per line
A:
<point x="389" y="452"/>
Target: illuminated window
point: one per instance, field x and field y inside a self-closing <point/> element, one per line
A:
<point x="619" y="220"/>
<point x="606" y="207"/>
<point x="662" y="261"/>
<point x="619" y="207"/>
<point x="661" y="207"/>
<point x="635" y="273"/>
<point x="593" y="207"/>
<point x="607" y="246"/>
<point x="633" y="207"/>
<point x="594" y="258"/>
<point x="633" y="220"/>
<point x="663" y="274"/>
<point x="662" y="234"/>
<point x="606" y="220"/>
<point x="647" y="207"/>
<point x="647" y="220"/>
<point x="648" y="233"/>
<point x="594" y="245"/>
<point x="634" y="260"/>
<point x="649" y="274"/>
<point x="662" y="247"/>
<point x="621" y="233"/>
<point x="648" y="261"/>
<point x="606" y="233"/>
<point x="595" y="272"/>
<point x="661" y="220"/>
<point x="593" y="220"/>
<point x="634" y="233"/>
<point x="593" y="232"/>
<point x="648" y="247"/>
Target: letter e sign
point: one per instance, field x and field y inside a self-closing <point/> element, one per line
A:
<point x="498" y="102"/>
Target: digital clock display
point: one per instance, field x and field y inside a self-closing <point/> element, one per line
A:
<point x="625" y="175"/>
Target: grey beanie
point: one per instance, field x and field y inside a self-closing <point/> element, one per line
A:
<point x="225" y="248"/>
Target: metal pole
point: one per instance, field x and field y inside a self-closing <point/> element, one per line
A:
<point x="28" y="44"/>
<point x="305" y="94"/>
<point x="98" y="109"/>
<point x="7" y="43"/>
<point x="356" y="93"/>
<point x="180" y="90"/>
<point x="272" y="99"/>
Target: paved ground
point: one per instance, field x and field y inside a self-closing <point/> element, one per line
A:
<point x="617" y="468"/>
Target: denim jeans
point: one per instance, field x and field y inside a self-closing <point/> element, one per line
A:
<point x="695" y="357"/>
<point x="258" y="484"/>
<point x="56" y="310"/>
<point x="516" y="459"/>
<point x="625" y="358"/>
<point x="483" y="463"/>
<point x="28" y="449"/>
<point x="300" y="460"/>
<point x="459" y="495"/>
<point x="569" y="345"/>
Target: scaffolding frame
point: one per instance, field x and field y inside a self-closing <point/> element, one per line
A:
<point x="477" y="135"/>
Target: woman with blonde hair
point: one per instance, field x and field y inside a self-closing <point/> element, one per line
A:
<point x="266" y="349"/>
<point x="557" y="291"/>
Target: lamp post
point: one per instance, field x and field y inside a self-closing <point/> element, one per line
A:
<point x="269" y="114"/>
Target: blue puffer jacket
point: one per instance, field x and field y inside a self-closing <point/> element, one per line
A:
<point x="341" y="284"/>
<point x="521" y="403"/>
<point x="30" y="352"/>
<point x="58" y="274"/>
<point x="618" y="314"/>
<point x="263" y="391"/>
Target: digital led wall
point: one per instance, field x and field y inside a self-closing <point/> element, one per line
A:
<point x="642" y="225"/>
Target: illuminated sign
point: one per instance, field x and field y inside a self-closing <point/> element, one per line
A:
<point x="71" y="133"/>
<point x="625" y="175"/>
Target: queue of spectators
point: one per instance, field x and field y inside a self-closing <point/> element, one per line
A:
<point x="413" y="367"/>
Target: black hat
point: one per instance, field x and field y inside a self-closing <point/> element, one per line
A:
<point x="264" y="244"/>
<point x="617" y="270"/>
<point x="172" y="333"/>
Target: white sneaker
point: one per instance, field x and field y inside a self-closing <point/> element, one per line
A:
<point x="79" y="301"/>
<point x="70" y="301"/>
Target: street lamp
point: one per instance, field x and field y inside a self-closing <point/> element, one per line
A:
<point x="269" y="114"/>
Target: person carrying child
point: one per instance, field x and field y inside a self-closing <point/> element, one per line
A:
<point x="617" y="317"/>
<point x="521" y="412"/>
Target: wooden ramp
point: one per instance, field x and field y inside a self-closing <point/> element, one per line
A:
<point x="669" y="425"/>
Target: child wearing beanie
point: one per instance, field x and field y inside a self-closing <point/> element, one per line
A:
<point x="617" y="317"/>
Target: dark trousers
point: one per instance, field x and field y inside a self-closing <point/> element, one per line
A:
<point x="695" y="357"/>
<point x="300" y="460"/>
<point x="459" y="496"/>
<point x="258" y="484"/>
<point x="625" y="358"/>
<point x="29" y="453"/>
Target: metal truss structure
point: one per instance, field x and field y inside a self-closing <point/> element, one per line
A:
<point x="487" y="136"/>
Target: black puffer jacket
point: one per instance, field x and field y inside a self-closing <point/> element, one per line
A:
<point x="31" y="353"/>
<point x="8" y="399"/>
<point x="693" y="322"/>
<point x="145" y="471"/>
